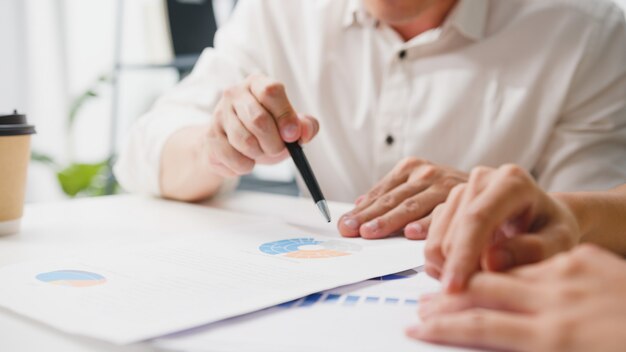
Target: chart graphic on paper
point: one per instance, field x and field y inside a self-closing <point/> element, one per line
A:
<point x="71" y="278"/>
<point x="348" y="300"/>
<point x="400" y="289"/>
<point x="309" y="248"/>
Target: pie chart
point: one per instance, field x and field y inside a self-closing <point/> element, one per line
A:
<point x="71" y="278"/>
<point x="309" y="248"/>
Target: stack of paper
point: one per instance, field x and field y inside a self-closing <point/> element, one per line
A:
<point x="140" y="292"/>
<point x="368" y="316"/>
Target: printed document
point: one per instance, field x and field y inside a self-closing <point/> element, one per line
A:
<point x="369" y="316"/>
<point x="134" y="293"/>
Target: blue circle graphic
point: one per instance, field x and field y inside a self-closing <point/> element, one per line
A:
<point x="287" y="246"/>
<point x="69" y="275"/>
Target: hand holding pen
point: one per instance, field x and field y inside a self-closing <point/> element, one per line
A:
<point x="254" y="122"/>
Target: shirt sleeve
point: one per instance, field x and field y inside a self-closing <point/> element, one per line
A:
<point x="587" y="149"/>
<point x="192" y="101"/>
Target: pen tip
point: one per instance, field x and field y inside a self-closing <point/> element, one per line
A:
<point x="323" y="207"/>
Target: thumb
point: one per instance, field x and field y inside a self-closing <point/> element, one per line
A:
<point x="517" y="251"/>
<point x="309" y="127"/>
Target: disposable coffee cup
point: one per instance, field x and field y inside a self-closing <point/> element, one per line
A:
<point x="15" y="135"/>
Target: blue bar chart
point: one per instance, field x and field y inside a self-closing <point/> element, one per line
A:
<point x="400" y="290"/>
<point x="348" y="300"/>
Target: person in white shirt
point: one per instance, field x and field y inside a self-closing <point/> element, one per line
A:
<point x="396" y="101"/>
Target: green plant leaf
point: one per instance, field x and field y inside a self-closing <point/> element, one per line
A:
<point x="44" y="159"/>
<point x="78" y="104"/>
<point x="79" y="178"/>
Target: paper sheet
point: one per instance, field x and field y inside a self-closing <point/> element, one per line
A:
<point x="135" y="293"/>
<point x="368" y="316"/>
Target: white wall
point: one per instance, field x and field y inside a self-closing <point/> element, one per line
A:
<point x="90" y="32"/>
<point x="12" y="54"/>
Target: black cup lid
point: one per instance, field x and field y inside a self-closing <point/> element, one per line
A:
<point x="15" y="125"/>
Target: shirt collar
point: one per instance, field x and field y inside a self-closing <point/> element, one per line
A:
<point x="469" y="17"/>
<point x="356" y="14"/>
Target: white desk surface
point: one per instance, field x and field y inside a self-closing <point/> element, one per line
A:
<point x="104" y="222"/>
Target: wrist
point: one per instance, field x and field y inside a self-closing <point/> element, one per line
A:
<point x="580" y="207"/>
<point x="185" y="172"/>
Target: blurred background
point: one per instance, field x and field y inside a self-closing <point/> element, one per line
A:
<point x="83" y="71"/>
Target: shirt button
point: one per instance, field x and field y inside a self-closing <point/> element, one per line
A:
<point x="389" y="140"/>
<point x="402" y="54"/>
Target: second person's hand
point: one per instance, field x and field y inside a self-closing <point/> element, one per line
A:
<point x="573" y="301"/>
<point x="251" y="124"/>
<point x="499" y="220"/>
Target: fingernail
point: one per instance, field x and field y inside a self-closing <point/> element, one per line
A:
<point x="451" y="283"/>
<point x="427" y="297"/>
<point x="372" y="226"/>
<point x="509" y="229"/>
<point x="290" y="131"/>
<point x="424" y="309"/>
<point x="415" y="229"/>
<point x="502" y="259"/>
<point x="413" y="331"/>
<point x="351" y="223"/>
<point x="359" y="200"/>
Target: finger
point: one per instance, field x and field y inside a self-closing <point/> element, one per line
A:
<point x="222" y="170"/>
<point x="394" y="220"/>
<point x="479" y="329"/>
<point x="594" y="254"/>
<point x="514" y="252"/>
<point x="487" y="290"/>
<point x="273" y="159"/>
<point x="351" y="224"/>
<point x="433" y="270"/>
<point x="272" y="95"/>
<point x="479" y="178"/>
<point x="239" y="136"/>
<point x="310" y="128"/>
<point x="557" y="236"/>
<point x="213" y="159"/>
<point x="533" y="272"/>
<point x="257" y="120"/>
<point x="418" y="230"/>
<point x="427" y="297"/>
<point x="563" y="264"/>
<point x="387" y="202"/>
<point x="221" y="152"/>
<point x="524" y="249"/>
<point x="442" y="216"/>
<point x="502" y="199"/>
<point x="396" y="177"/>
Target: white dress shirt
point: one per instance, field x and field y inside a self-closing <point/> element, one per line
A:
<point x="537" y="83"/>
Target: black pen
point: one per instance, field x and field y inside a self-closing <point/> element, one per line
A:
<point x="297" y="154"/>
